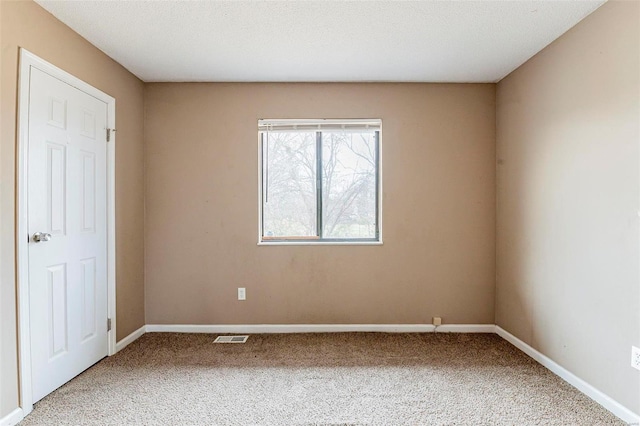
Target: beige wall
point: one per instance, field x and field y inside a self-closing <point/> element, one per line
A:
<point x="438" y="153"/>
<point x="568" y="201"/>
<point x="26" y="24"/>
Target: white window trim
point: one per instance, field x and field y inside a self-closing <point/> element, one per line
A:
<point x="326" y="242"/>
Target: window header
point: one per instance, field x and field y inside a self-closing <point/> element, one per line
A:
<point x="312" y="125"/>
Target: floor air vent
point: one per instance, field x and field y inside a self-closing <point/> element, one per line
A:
<point x="231" y="339"/>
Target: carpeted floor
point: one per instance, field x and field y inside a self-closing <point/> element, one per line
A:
<point x="319" y="379"/>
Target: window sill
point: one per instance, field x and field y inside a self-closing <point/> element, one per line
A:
<point x="320" y="243"/>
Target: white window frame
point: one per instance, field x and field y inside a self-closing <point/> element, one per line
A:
<point x="320" y="124"/>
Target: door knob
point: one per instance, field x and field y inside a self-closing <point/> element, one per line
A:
<point x="41" y="236"/>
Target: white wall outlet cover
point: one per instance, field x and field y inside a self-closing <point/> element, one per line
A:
<point x="242" y="293"/>
<point x="635" y="357"/>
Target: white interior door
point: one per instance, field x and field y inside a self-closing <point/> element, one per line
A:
<point x="67" y="224"/>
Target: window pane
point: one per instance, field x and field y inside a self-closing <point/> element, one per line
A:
<point x="349" y="184"/>
<point x="289" y="184"/>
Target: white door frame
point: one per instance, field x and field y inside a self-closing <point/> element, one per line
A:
<point x="27" y="61"/>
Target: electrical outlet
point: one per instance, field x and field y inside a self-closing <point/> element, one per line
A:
<point x="242" y="293"/>
<point x="437" y="321"/>
<point x="635" y="357"/>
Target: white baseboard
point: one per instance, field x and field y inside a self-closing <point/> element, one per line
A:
<point x="606" y="401"/>
<point x="320" y="328"/>
<point x="466" y="328"/>
<point x="13" y="418"/>
<point x="290" y="328"/>
<point x="130" y="338"/>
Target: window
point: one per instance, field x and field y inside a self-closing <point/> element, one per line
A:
<point x="320" y="181"/>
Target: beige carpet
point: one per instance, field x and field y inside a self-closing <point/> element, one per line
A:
<point x="319" y="379"/>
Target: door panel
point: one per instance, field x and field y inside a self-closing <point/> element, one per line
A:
<point x="88" y="191"/>
<point x="57" y="303"/>
<point x="67" y="198"/>
<point x="55" y="178"/>
<point x="88" y="287"/>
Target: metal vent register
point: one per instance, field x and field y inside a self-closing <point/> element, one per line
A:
<point x="231" y="339"/>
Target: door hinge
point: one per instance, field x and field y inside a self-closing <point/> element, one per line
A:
<point x="108" y="324"/>
<point x="109" y="134"/>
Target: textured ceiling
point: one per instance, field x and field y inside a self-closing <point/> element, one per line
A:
<point x="425" y="41"/>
